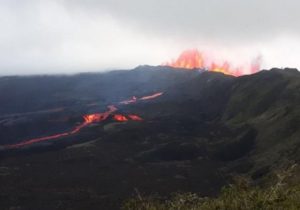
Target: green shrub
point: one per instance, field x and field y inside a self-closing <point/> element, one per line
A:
<point x="240" y="196"/>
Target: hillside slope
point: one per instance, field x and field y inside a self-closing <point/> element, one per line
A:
<point x="205" y="128"/>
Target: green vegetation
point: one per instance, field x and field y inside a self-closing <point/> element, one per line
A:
<point x="240" y="196"/>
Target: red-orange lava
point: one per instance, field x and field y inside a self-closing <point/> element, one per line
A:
<point x="194" y="59"/>
<point x="120" y="118"/>
<point x="90" y="119"/>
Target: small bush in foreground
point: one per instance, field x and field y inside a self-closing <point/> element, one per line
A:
<point x="240" y="196"/>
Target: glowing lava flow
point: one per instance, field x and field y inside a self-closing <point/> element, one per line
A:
<point x="94" y="118"/>
<point x="129" y="101"/>
<point x="193" y="59"/>
<point x="135" y="117"/>
<point x="151" y="97"/>
<point x="120" y="118"/>
<point x="135" y="99"/>
<point x="123" y="118"/>
<point x="89" y="119"/>
<point x="47" y="138"/>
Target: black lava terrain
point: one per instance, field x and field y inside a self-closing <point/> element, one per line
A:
<point x="204" y="129"/>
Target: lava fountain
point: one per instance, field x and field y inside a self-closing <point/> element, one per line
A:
<point x="194" y="59"/>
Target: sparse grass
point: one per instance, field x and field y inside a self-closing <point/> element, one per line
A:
<point x="240" y="196"/>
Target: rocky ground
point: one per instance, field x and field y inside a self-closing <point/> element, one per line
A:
<point x="206" y="128"/>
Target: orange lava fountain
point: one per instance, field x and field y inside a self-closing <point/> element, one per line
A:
<point x="194" y="59"/>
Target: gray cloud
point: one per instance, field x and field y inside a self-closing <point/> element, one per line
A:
<point x="227" y="19"/>
<point x="63" y="36"/>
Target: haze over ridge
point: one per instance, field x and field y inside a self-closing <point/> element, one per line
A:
<point x="63" y="36"/>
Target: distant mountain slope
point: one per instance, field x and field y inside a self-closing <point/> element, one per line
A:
<point x="204" y="128"/>
<point x="270" y="102"/>
<point x="34" y="93"/>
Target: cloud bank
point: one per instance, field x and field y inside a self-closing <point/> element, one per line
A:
<point x="68" y="36"/>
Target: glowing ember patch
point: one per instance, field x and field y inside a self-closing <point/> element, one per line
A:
<point x="152" y="96"/>
<point x="135" y="117"/>
<point x="120" y="118"/>
<point x="193" y="59"/>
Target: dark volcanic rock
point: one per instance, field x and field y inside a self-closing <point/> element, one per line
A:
<point x="172" y="152"/>
<point x="204" y="128"/>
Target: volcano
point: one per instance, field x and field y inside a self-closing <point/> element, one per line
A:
<point x="92" y="140"/>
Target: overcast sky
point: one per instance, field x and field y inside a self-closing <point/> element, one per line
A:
<point x="66" y="36"/>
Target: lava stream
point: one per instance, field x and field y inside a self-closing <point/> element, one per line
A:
<point x="135" y="117"/>
<point x="134" y="99"/>
<point x="151" y="97"/>
<point x="129" y="101"/>
<point x="89" y="119"/>
<point x="47" y="138"/>
<point x="120" y="118"/>
<point x="98" y="117"/>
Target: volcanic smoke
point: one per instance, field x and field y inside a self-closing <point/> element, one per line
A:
<point x="194" y="59"/>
